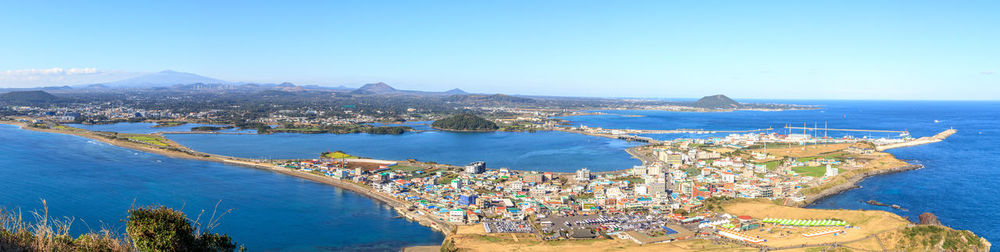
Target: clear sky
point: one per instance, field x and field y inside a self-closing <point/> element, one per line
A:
<point x="746" y="49"/>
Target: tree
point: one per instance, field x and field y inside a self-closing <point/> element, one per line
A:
<point x="465" y="122"/>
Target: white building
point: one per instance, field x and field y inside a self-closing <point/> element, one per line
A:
<point x="728" y="177"/>
<point x="831" y="171"/>
<point x="476" y="167"/>
<point x="583" y="174"/>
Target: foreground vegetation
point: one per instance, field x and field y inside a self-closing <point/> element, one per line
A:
<point x="151" y="228"/>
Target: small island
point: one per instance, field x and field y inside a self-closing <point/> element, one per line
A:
<point x="166" y="124"/>
<point x="465" y="122"/>
<point x="210" y="128"/>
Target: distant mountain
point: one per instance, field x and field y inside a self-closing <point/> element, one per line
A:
<point x="375" y="88"/>
<point x="163" y="79"/>
<point x="22" y="97"/>
<point x="456" y="91"/>
<point x="497" y="98"/>
<point x="716" y="102"/>
<point x="318" y="87"/>
<point x="57" y="88"/>
<point x="275" y="93"/>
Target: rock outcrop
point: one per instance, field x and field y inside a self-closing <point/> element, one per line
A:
<point x="929" y="219"/>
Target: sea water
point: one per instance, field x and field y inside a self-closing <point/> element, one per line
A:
<point x="96" y="183"/>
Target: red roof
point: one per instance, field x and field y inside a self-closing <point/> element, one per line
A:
<point x="744" y="217"/>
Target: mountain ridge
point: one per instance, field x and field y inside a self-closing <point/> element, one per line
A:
<point x="162" y="79"/>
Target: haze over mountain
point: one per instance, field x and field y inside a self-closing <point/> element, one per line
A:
<point x="456" y="91"/>
<point x="162" y="79"/>
<point x="375" y="88"/>
<point x="189" y="82"/>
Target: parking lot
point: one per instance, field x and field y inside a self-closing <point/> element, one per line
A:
<point x="608" y="223"/>
<point x="507" y="227"/>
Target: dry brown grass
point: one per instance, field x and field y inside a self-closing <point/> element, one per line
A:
<point x="806" y="151"/>
<point x="868" y="222"/>
<point x="48" y="233"/>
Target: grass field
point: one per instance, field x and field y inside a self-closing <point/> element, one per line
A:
<point x="148" y="139"/>
<point x="835" y="156"/>
<point x="812" y="171"/>
<point x="339" y="155"/>
<point x="772" y="164"/>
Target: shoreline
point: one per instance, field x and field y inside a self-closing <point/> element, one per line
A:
<point x="852" y="183"/>
<point x="398" y="205"/>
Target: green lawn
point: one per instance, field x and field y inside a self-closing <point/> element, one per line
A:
<point x="835" y="156"/>
<point x="772" y="164"/>
<point x="812" y="171"/>
<point x="148" y="139"/>
<point x="339" y="155"/>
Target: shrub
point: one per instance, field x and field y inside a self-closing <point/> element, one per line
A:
<point x="160" y="229"/>
<point x="216" y="242"/>
<point x="165" y="229"/>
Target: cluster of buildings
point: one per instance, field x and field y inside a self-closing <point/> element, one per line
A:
<point x="105" y="112"/>
<point x="684" y="175"/>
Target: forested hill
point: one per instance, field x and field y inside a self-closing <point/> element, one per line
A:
<point x="465" y="122"/>
<point x="28" y="97"/>
<point x="716" y="102"/>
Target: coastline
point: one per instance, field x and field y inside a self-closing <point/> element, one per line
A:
<point x="398" y="205"/>
<point x="852" y="182"/>
<point x="401" y="206"/>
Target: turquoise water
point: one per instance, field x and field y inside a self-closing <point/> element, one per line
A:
<point x="96" y="183"/>
<point x="540" y="151"/>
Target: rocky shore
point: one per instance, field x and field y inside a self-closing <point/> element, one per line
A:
<point x="852" y="183"/>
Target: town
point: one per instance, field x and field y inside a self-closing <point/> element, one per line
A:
<point x="674" y="195"/>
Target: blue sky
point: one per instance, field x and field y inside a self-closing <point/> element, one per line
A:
<point x="748" y="49"/>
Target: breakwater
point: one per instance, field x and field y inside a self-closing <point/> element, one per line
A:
<point x="919" y="141"/>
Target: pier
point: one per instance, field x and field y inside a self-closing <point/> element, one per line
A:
<point x="631" y="138"/>
<point x="851" y="130"/>
<point x="691" y="131"/>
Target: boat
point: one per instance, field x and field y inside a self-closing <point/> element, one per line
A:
<point x="936" y="121"/>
